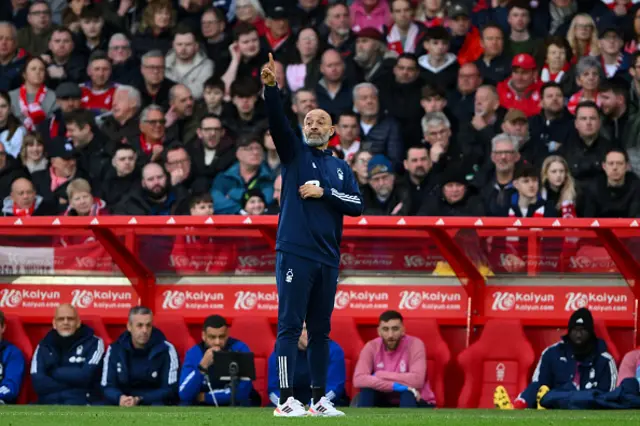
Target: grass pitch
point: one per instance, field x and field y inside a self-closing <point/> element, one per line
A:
<point x="196" y="416"/>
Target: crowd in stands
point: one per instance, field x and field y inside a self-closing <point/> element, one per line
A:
<point x="72" y="366"/>
<point x="447" y="108"/>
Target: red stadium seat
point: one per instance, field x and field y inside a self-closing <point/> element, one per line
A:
<point x="438" y="353"/>
<point x="176" y="332"/>
<point x="345" y="333"/>
<point x="15" y="334"/>
<point x="502" y="356"/>
<point x="95" y="322"/>
<point x="600" y="328"/>
<point x="256" y="333"/>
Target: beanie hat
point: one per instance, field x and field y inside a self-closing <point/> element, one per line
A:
<point x="254" y="192"/>
<point x="582" y="317"/>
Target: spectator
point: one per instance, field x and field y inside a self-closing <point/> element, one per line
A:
<point x="122" y="177"/>
<point x="347" y="138"/>
<point x="213" y="97"/>
<point x="554" y="124"/>
<point x="98" y="92"/>
<point x="124" y="64"/>
<point x="634" y="90"/>
<point x="465" y="38"/>
<point x="251" y="12"/>
<point x="94" y="35"/>
<point x="122" y="124"/>
<point x="434" y="99"/>
<point x="586" y="149"/>
<point x="340" y="36"/>
<point x="520" y="41"/>
<point x="12" y="367"/>
<point x="12" y="58"/>
<point x="272" y="159"/>
<point x="249" y="172"/>
<point x="495" y="64"/>
<point x="155" y="197"/>
<point x="88" y="144"/>
<point x="383" y="196"/>
<point x="614" y="60"/>
<point x="496" y="184"/>
<point x="158" y="18"/>
<point x="516" y="125"/>
<point x="558" y="188"/>
<point x="380" y="133"/>
<point x="554" y="18"/>
<point x="11" y="131"/>
<point x="462" y="97"/>
<point x="198" y="383"/>
<point x="336" y="374"/>
<point x="445" y="152"/>
<point x="245" y="115"/>
<point x="333" y="91"/>
<point x="615" y="194"/>
<point x="24" y="202"/>
<point x="439" y="65"/>
<point x="178" y="164"/>
<point x="302" y="66"/>
<point x="487" y="119"/>
<point x="557" y="64"/>
<point x="149" y="144"/>
<point x="418" y="177"/>
<point x="63" y="64"/>
<point x="379" y="372"/>
<point x="66" y="363"/>
<point x="274" y="207"/>
<point x="253" y="203"/>
<point x="370" y="14"/>
<point x="304" y="100"/>
<point x="526" y="202"/>
<point x="404" y="35"/>
<point x="431" y="13"/>
<point x="616" y="125"/>
<point x="589" y="74"/>
<point x="577" y="362"/>
<point x="583" y="36"/>
<point x="33" y="101"/>
<point x="82" y="202"/>
<point x="34" y="37"/>
<point x="32" y="153"/>
<point x="68" y="98"/>
<point x="454" y="196"/>
<point x="154" y="87"/>
<point x="247" y="55"/>
<point x="360" y="167"/>
<point x="185" y="63"/>
<point x="213" y="152"/>
<point x="629" y="366"/>
<point x="200" y="205"/>
<point x="141" y="367"/>
<point x="307" y="13"/>
<point x="522" y="89"/>
<point x="373" y="61"/>
<point x="216" y="39"/>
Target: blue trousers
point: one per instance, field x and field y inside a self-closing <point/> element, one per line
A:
<point x="306" y="292"/>
<point x="368" y="398"/>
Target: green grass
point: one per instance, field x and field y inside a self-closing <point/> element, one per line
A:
<point x="178" y="416"/>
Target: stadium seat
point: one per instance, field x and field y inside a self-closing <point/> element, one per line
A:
<point x="176" y="332"/>
<point x="438" y="353"/>
<point x="15" y="333"/>
<point x="256" y="333"/>
<point x="345" y="333"/>
<point x="502" y="356"/>
<point x="600" y="328"/>
<point x="95" y="322"/>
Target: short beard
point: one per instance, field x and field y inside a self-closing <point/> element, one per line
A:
<point x="316" y="142"/>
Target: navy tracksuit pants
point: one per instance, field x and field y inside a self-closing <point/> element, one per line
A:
<point x="306" y="292"/>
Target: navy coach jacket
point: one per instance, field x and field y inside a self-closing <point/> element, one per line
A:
<point x="310" y="228"/>
<point x="11" y="372"/>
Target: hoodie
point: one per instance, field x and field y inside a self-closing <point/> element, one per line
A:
<point x="445" y="76"/>
<point x="193" y="76"/>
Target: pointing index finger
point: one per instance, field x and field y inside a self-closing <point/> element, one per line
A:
<point x="272" y="64"/>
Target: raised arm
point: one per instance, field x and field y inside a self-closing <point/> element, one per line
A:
<point x="286" y="142"/>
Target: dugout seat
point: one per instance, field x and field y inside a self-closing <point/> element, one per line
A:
<point x="502" y="356"/>
<point x="176" y="332"/>
<point x="600" y="327"/>
<point x="256" y="333"/>
<point x="345" y="333"/>
<point x="95" y="322"/>
<point x="438" y="353"/>
<point x="15" y="333"/>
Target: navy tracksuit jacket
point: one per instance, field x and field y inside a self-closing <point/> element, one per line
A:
<point x="558" y="369"/>
<point x="11" y="372"/>
<point x="193" y="382"/>
<point x="67" y="375"/>
<point x="150" y="373"/>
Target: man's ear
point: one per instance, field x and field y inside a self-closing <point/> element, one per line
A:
<point x="332" y="131"/>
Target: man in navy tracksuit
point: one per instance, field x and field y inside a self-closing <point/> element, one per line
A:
<point x="318" y="190"/>
<point x="65" y="368"/>
<point x="141" y="367"/>
<point x="11" y="368"/>
<point x="336" y="374"/>
<point x="197" y="383"/>
<point x="578" y="362"/>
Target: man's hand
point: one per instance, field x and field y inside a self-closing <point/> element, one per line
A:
<point x="268" y="73"/>
<point x="207" y="359"/>
<point x="436" y="151"/>
<point x="177" y="176"/>
<point x="127" y="401"/>
<point x="170" y="117"/>
<point x="396" y="209"/>
<point x="310" y="191"/>
<point x="137" y="400"/>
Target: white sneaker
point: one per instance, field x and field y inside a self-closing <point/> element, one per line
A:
<point x="291" y="408"/>
<point x="324" y="408"/>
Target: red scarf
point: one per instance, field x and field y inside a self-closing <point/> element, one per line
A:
<point x="394" y="39"/>
<point x="56" y="182"/>
<point x="611" y="4"/>
<point x="24" y="212"/>
<point x="546" y="75"/>
<point x="568" y="210"/>
<point x="618" y="63"/>
<point x="54" y="127"/>
<point x="576" y="99"/>
<point x="275" y="43"/>
<point x="96" y="208"/>
<point x="33" y="112"/>
<point x="147" y="147"/>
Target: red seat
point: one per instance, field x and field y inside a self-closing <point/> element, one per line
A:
<point x="502" y="356"/>
<point x="600" y="328"/>
<point x="176" y="332"/>
<point x="345" y="333"/>
<point x="14" y="333"/>
<point x="256" y="333"/>
<point x="438" y="353"/>
<point x="95" y="322"/>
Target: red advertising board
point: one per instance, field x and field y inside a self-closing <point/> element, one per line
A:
<point x="41" y="300"/>
<point x="606" y="303"/>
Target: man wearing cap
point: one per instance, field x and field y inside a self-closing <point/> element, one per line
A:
<point x="614" y="61"/>
<point x="516" y="125"/>
<point x="278" y="33"/>
<point x="455" y="197"/>
<point x="383" y="197"/>
<point x="198" y="385"/>
<point x="465" y="38"/>
<point x="579" y="361"/>
<point x="373" y="61"/>
<point x="68" y="98"/>
<point x="521" y="90"/>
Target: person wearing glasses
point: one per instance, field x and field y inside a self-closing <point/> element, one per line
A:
<point x="213" y="152"/>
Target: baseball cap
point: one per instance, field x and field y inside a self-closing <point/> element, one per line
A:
<point x="610" y="29"/>
<point x="515" y="114"/>
<point x="524" y="61"/>
<point x="371" y="33"/>
<point x="277" y="12"/>
<point x="457" y="9"/>
<point x="61" y="148"/>
<point x="379" y="164"/>
<point x="68" y="90"/>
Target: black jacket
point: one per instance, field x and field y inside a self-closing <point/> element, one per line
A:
<point x="559" y="130"/>
<point x="74" y="69"/>
<point x="146" y="41"/>
<point x="498" y="69"/>
<point x="136" y="203"/>
<point x="42" y="181"/>
<point x="161" y="98"/>
<point x="374" y="207"/>
<point x="603" y="200"/>
<point x="437" y="205"/>
<point x="385" y="138"/>
<point x="224" y="158"/>
<point x="127" y="72"/>
<point x="113" y="188"/>
<point x="585" y="162"/>
<point x="402" y="102"/>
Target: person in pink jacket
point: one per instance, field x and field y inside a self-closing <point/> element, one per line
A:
<point x="391" y="370"/>
<point x="370" y="14"/>
<point x="630" y="366"/>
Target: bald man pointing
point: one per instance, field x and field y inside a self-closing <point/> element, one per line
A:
<point x="318" y="190"/>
